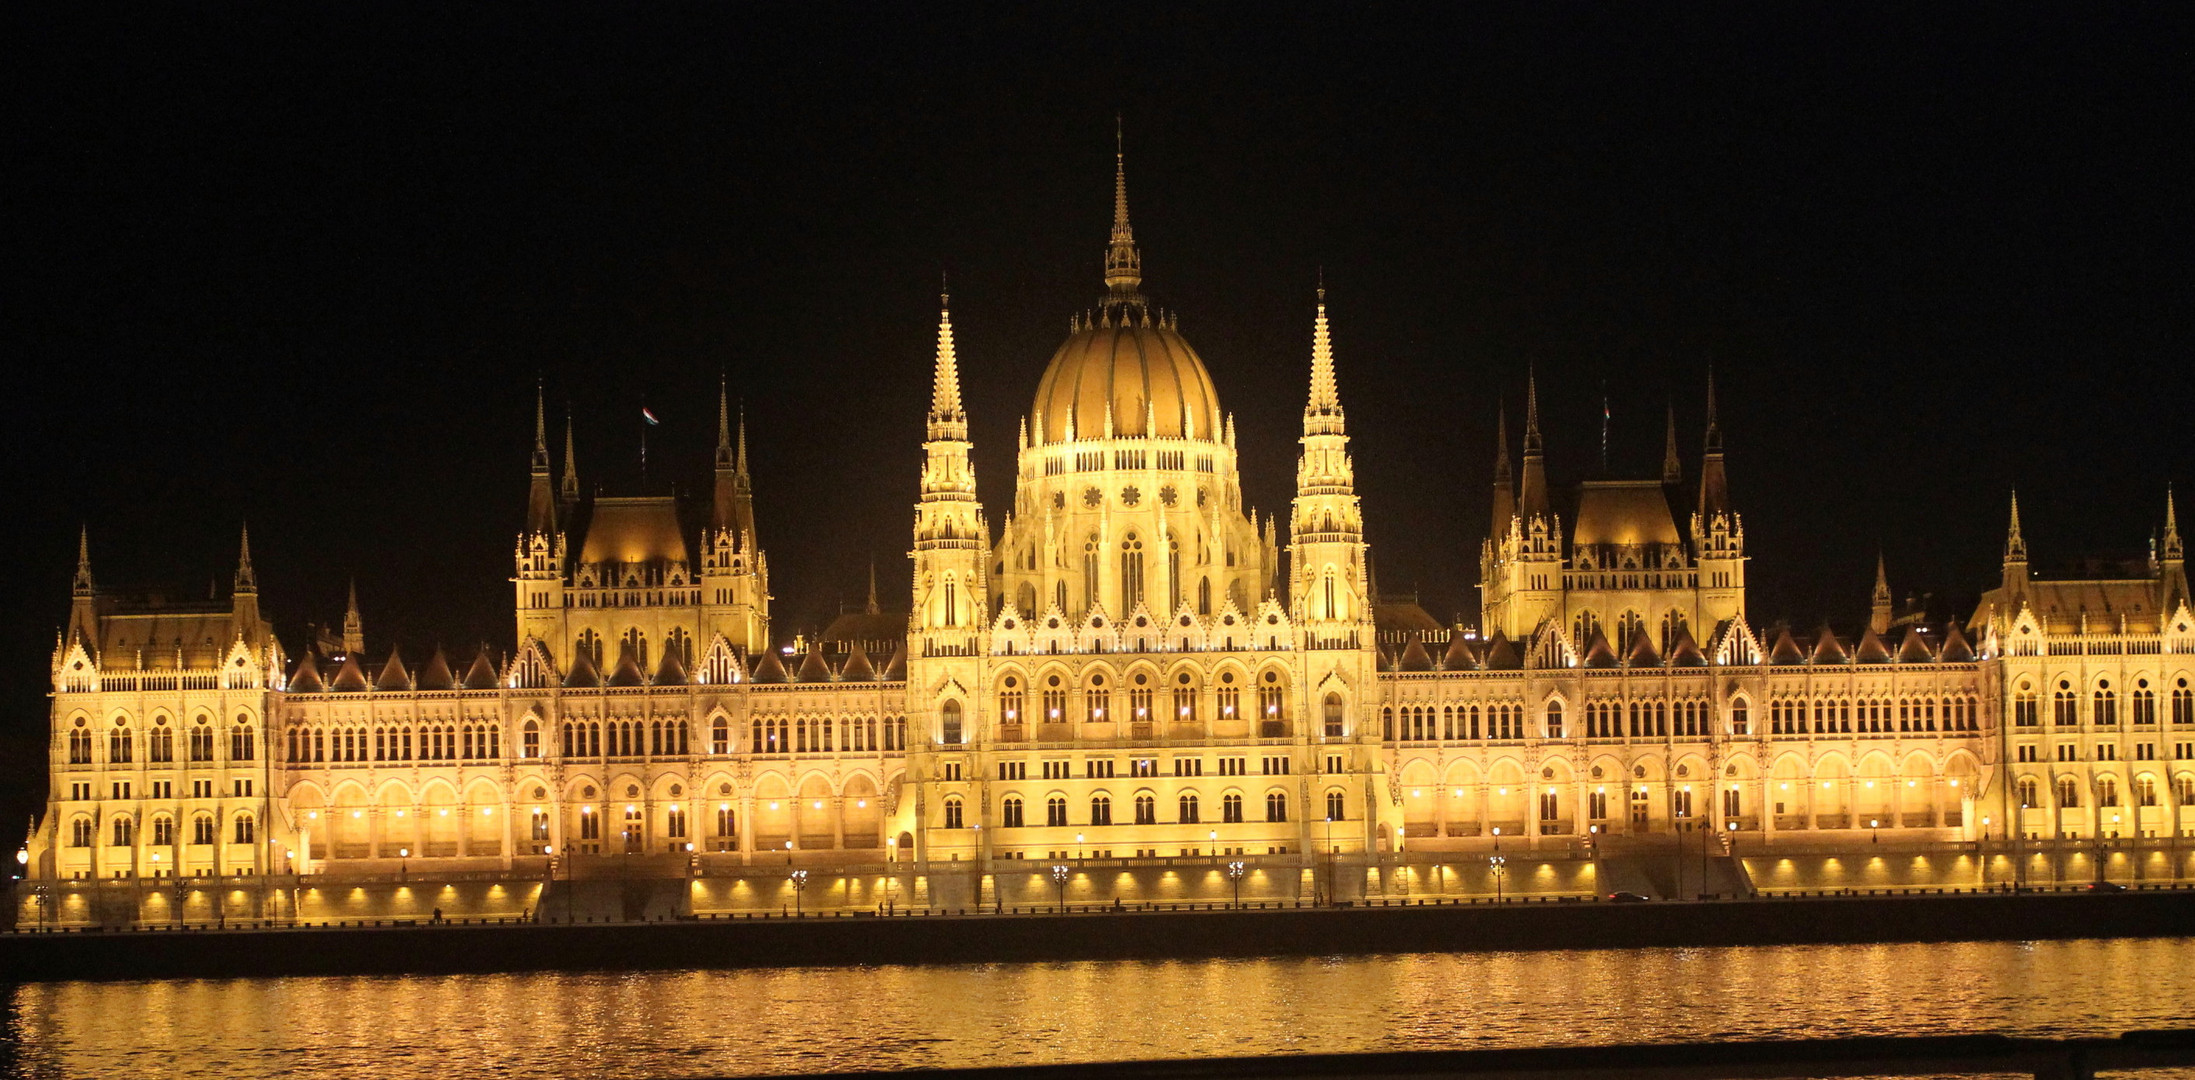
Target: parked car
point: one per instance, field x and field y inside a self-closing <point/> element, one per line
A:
<point x="2105" y="886"/>
<point x="1626" y="898"/>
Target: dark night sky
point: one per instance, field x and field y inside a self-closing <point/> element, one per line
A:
<point x="306" y="273"/>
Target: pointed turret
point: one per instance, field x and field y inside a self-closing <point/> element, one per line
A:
<point x="1330" y="585"/>
<point x="2015" y="557"/>
<point x="731" y="510"/>
<point x="354" y="628"/>
<point x="1880" y="606"/>
<point x="872" y="607"/>
<point x="541" y="494"/>
<point x="950" y="585"/>
<point x="1714" y="485"/>
<point x="569" y="491"/>
<point x="1322" y="415"/>
<point x="1532" y="493"/>
<point x="1672" y="469"/>
<point x="84" y="596"/>
<point x="2171" y="561"/>
<point x="246" y="580"/>
<point x="244" y="601"/>
<point x="1505" y="493"/>
<point x="947" y="420"/>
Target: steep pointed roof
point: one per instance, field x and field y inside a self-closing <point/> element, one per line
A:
<point x="1642" y="652"/>
<point x="627" y="672"/>
<point x="306" y="679"/>
<point x="672" y="671"/>
<point x="812" y="667"/>
<point x="393" y="676"/>
<point x="583" y="674"/>
<point x="947" y="419"/>
<point x="857" y="667"/>
<point x="1685" y="652"/>
<point x="896" y="669"/>
<point x="481" y="675"/>
<point x="436" y="675"/>
<point x="1955" y="648"/>
<point x="1459" y="656"/>
<point x="1598" y="652"/>
<point x="769" y="669"/>
<point x="350" y="678"/>
<point x="1871" y="649"/>
<point x="1502" y="655"/>
<point x="1414" y="656"/>
<point x="1785" y="651"/>
<point x="1914" y="650"/>
<point x="1322" y="415"/>
<point x="1828" y="650"/>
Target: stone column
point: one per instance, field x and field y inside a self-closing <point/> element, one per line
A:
<point x="838" y="822"/>
<point x="746" y="830"/>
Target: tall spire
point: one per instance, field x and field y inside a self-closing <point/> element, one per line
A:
<point x="2172" y="546"/>
<point x="2015" y="545"/>
<point x="2172" y="562"/>
<point x="947" y="421"/>
<point x="1123" y="265"/>
<point x="739" y="457"/>
<point x="1532" y="490"/>
<point x="246" y="580"/>
<point x="731" y="509"/>
<point x="723" y="426"/>
<point x="1880" y="604"/>
<point x="1322" y="414"/>
<point x="541" y="495"/>
<point x="1714" y="483"/>
<point x="873" y="608"/>
<point x="354" y="628"/>
<point x="1672" y="470"/>
<point x="83" y="586"/>
<point x="1505" y="499"/>
<point x="570" y="487"/>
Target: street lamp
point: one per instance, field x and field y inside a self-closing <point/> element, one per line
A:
<point x="1078" y="847"/>
<point x="891" y="871"/>
<point x="403" y="862"/>
<point x="1234" y="875"/>
<point x="1059" y="878"/>
<point x="1500" y="867"/>
<point x="800" y="885"/>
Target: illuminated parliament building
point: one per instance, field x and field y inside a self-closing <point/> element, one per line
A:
<point x="1122" y="662"/>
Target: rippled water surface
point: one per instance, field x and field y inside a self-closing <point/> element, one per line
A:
<point x="703" y="1023"/>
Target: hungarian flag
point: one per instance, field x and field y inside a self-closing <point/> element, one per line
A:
<point x="649" y="417"/>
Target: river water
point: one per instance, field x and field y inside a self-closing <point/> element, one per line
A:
<point x="701" y="1023"/>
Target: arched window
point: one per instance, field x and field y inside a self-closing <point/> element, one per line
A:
<point x="1055" y="701"/>
<point x="2025" y="709"/>
<point x="1009" y="701"/>
<point x="82" y="831"/>
<point x="2145" y="791"/>
<point x="1097" y="699"/>
<point x="1628" y="628"/>
<point x="80" y="745"/>
<point x="2145" y="703"/>
<point x="2183" y="703"/>
<point x="119" y="745"/>
<point x="1276" y="806"/>
<point x="163" y="831"/>
<point x="1101" y="810"/>
<point x="1387" y="723"/>
<point x="1271" y="699"/>
<point x="1554" y="719"/>
<point x="202" y="829"/>
<point x="161" y="750"/>
<point x="1055" y="811"/>
<point x="1185" y="699"/>
<point x="1741" y="717"/>
<point x="720" y="736"/>
<point x="2107" y="791"/>
<point x="240" y="740"/>
<point x="1146" y="810"/>
<point x="1336" y="806"/>
<point x="636" y="646"/>
<point x="2069" y="792"/>
<point x="1333" y="716"/>
<point x="201" y="741"/>
<point x="1204" y="596"/>
<point x="952" y="812"/>
<point x="244" y="831"/>
<point x="1587" y="625"/>
<point x="1010" y="812"/>
<point x="1090" y="572"/>
<point x="2106" y="704"/>
<point x="949" y="723"/>
<point x="2064" y="711"/>
<point x="1173" y="574"/>
<point x="1189" y="809"/>
<point x="125" y="831"/>
<point x="2027" y="795"/>
<point x="1230" y="808"/>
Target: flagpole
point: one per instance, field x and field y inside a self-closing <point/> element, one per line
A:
<point x="643" y="445"/>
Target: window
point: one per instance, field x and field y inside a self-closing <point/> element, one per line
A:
<point x="1230" y="809"/>
<point x="1055" y="701"/>
<point x="1189" y="809"/>
<point x="1146" y="810"/>
<point x="590" y="826"/>
<point x="1333" y="716"/>
<point x="2145" y="703"/>
<point x="1013" y="770"/>
<point x="1101" y="810"/>
<point x="1097" y="701"/>
<point x="2064" y="711"/>
<point x="2024" y="709"/>
<point x="80" y="749"/>
<point x="1276" y="806"/>
<point x="1741" y="717"/>
<point x="1055" y="811"/>
<point x="118" y="746"/>
<point x="1230" y="696"/>
<point x="2107" y="792"/>
<point x="1131" y="573"/>
<point x="1009" y="702"/>
<point x="949" y="723"/>
<point x="1596" y="804"/>
<point x="1010" y="812"/>
<point x="530" y="740"/>
<point x="202" y="741"/>
<point x="1185" y="700"/>
<point x="2027" y="792"/>
<point x="674" y="823"/>
<point x="163" y="831"/>
<point x="1336" y="806"/>
<point x="240" y="741"/>
<point x="81" y="831"/>
<point x="2145" y="791"/>
<point x="2106" y="704"/>
<point x="1550" y="806"/>
<point x="125" y="831"/>
<point x="1143" y="767"/>
<point x="2183" y="703"/>
<point x="2069" y="792"/>
<point x="244" y="828"/>
<point x="1554" y="719"/>
<point x="2183" y="789"/>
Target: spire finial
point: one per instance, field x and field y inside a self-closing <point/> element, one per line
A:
<point x="739" y="459"/>
<point x="873" y="608"/>
<point x="2015" y="545"/>
<point x="541" y="431"/>
<point x="1672" y="469"/>
<point x="571" y="461"/>
<point x="246" y="580"/>
<point x="354" y="628"/>
<point x="1532" y="446"/>
<point x="1714" y="422"/>
<point x="2172" y="545"/>
<point x="1501" y="443"/>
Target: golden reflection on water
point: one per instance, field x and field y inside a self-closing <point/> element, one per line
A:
<point x="700" y="1023"/>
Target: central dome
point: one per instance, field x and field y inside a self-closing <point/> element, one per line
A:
<point x="1154" y="381"/>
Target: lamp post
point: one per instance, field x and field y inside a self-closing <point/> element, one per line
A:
<point x="891" y="872"/>
<point x="403" y="862"/>
<point x="1330" y="853"/>
<point x="1078" y="847"/>
<point x="1234" y="876"/>
<point x="800" y="885"/>
<point x="1500" y="867"/>
<point x="1059" y="879"/>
